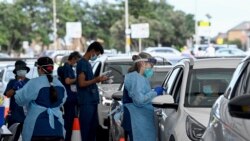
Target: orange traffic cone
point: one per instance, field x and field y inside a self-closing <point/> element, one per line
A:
<point x="122" y="139"/>
<point x="76" y="134"/>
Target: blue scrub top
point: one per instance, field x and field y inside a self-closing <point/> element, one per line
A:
<point x="89" y="94"/>
<point x="17" y="113"/>
<point x="68" y="72"/>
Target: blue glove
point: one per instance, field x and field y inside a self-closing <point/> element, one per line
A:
<point x="18" y="85"/>
<point x="159" y="90"/>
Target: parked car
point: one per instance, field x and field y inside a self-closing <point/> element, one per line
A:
<point x="230" y="52"/>
<point x="192" y="87"/>
<point x="165" y="50"/>
<point x="4" y="55"/>
<point x="170" y="54"/>
<point x="116" y="132"/>
<point x="230" y="114"/>
<point x="200" y="50"/>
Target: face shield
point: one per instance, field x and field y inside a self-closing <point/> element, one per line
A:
<point x="151" y="60"/>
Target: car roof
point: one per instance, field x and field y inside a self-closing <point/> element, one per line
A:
<point x="216" y="63"/>
<point x="162" y="68"/>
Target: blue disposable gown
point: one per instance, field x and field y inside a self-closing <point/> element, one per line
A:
<point x="141" y="110"/>
<point x="28" y="95"/>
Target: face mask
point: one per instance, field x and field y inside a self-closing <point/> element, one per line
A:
<point x="148" y="72"/>
<point x="21" y="72"/>
<point x="93" y="58"/>
<point x="207" y="89"/>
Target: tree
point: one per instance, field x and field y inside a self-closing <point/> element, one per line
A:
<point x="13" y="26"/>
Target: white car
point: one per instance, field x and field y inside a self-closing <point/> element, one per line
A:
<point x="165" y="50"/>
<point x="118" y="65"/>
<point x="192" y="87"/>
<point x="230" y="114"/>
<point x="230" y="52"/>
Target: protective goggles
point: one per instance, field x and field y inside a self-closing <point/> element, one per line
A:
<point x="150" y="60"/>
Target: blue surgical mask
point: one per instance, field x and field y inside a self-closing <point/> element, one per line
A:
<point x="148" y="72"/>
<point x="93" y="58"/>
<point x="207" y="89"/>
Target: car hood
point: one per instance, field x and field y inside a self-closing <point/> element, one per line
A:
<point x="199" y="114"/>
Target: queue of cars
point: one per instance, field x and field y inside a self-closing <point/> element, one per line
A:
<point x="195" y="90"/>
<point x="193" y="86"/>
<point x="191" y="89"/>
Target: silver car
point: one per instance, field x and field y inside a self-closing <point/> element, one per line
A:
<point x="192" y="87"/>
<point x="230" y="114"/>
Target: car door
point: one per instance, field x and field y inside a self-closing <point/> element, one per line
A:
<point x="167" y="117"/>
<point x="229" y="128"/>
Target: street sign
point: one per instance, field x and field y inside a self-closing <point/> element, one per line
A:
<point x="74" y="29"/>
<point x="140" y="30"/>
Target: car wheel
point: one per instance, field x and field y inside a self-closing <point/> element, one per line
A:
<point x="171" y="138"/>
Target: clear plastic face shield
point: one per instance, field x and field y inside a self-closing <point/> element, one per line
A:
<point x="151" y="60"/>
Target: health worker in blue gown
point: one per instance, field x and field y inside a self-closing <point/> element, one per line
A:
<point x="43" y="96"/>
<point x="138" y="118"/>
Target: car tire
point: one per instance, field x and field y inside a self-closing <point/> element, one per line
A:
<point x="171" y="138"/>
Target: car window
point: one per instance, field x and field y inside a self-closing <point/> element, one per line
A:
<point x="1" y="74"/>
<point x="119" y="69"/>
<point x="163" y="51"/>
<point x="177" y="87"/>
<point x="242" y="85"/>
<point x="157" y="78"/>
<point x="204" y="86"/>
<point x="170" y="80"/>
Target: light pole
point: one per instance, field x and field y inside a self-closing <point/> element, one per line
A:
<point x="127" y="30"/>
<point x="54" y="24"/>
<point x="209" y="20"/>
<point x="196" y="25"/>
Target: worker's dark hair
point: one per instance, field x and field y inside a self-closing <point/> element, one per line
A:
<point x="96" y="46"/>
<point x="74" y="55"/>
<point x="47" y="65"/>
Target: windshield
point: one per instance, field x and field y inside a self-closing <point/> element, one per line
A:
<point x="119" y="69"/>
<point x="204" y="86"/>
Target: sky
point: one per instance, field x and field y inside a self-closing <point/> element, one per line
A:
<point x="225" y="14"/>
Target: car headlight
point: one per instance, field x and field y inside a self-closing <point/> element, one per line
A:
<point x="194" y="129"/>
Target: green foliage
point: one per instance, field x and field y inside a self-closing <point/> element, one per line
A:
<point x="33" y="20"/>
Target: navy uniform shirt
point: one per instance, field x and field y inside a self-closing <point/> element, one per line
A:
<point x="89" y="94"/>
<point x="68" y="72"/>
<point x="17" y="113"/>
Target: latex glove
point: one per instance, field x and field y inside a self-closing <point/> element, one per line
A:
<point x="18" y="85"/>
<point x="159" y="90"/>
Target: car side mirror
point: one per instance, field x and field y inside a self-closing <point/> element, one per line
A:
<point x="117" y="95"/>
<point x="164" y="101"/>
<point x="240" y="106"/>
